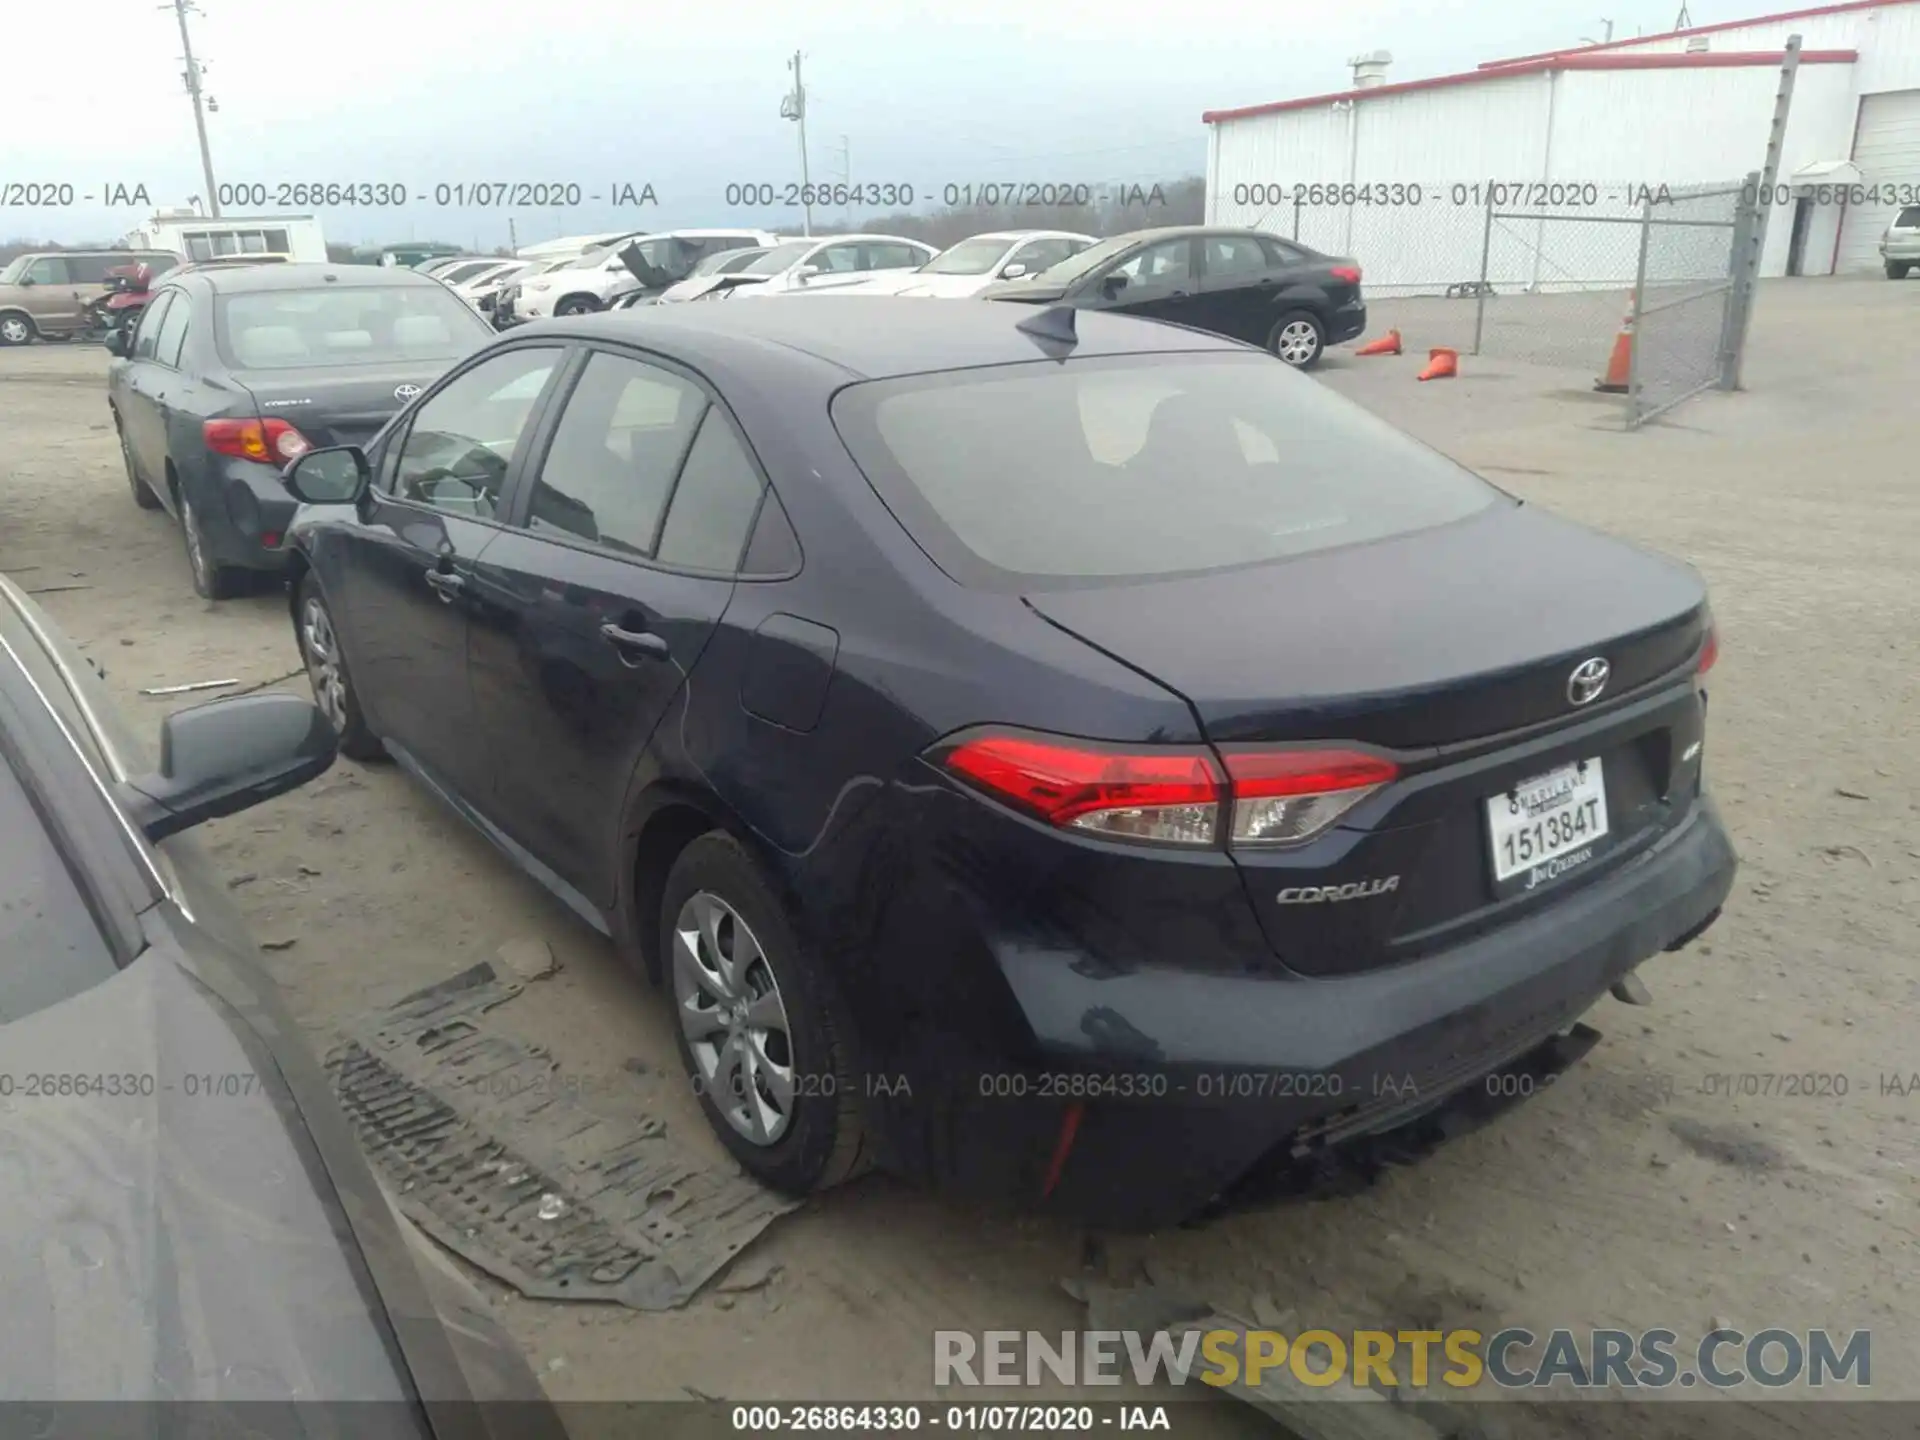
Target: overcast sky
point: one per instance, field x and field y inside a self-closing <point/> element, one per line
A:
<point x="686" y="97"/>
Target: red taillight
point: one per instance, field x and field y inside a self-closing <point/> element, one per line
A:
<point x="1709" y="652"/>
<point x="271" y="442"/>
<point x="1286" y="796"/>
<point x="1348" y="273"/>
<point x="1170" y="795"/>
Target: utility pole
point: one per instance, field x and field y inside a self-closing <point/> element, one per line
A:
<point x="794" y="107"/>
<point x="513" y="237"/>
<point x="192" y="77"/>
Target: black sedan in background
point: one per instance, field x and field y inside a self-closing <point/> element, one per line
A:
<point x="1075" y="759"/>
<point x="232" y="372"/>
<point x="1244" y="284"/>
<point x="186" y="1220"/>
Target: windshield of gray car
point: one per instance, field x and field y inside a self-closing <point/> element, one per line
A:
<point x="350" y="325"/>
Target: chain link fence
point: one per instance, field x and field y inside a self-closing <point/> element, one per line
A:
<point x="1684" y="319"/>
<point x="1548" y="274"/>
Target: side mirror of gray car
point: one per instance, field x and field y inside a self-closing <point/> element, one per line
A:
<point x="227" y="756"/>
<point x="337" y="475"/>
<point x="1112" y="285"/>
<point x="1014" y="271"/>
<point x="120" y="342"/>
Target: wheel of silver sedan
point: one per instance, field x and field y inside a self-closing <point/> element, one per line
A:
<point x="1298" y="342"/>
<point x="733" y="1017"/>
<point x="323" y="663"/>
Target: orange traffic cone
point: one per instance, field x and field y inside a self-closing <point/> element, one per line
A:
<point x="1387" y="344"/>
<point x="1617" y="380"/>
<point x="1442" y="364"/>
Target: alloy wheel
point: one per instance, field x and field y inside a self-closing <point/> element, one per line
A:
<point x="734" y="1019"/>
<point x="329" y="680"/>
<point x="14" y="331"/>
<point x="1298" y="342"/>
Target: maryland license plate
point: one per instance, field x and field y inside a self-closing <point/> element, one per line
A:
<point x="1548" y="825"/>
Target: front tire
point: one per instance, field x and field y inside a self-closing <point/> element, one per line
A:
<point x="16" y="330"/>
<point x="755" y="1023"/>
<point x="576" y="305"/>
<point x="143" y="495"/>
<point x="326" y="666"/>
<point x="1897" y="269"/>
<point x="1299" y="339"/>
<point x="211" y="580"/>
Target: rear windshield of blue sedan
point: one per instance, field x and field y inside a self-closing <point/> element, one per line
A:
<point x="1100" y="470"/>
<point x="345" y="325"/>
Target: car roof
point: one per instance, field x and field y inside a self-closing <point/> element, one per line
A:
<point x="915" y="336"/>
<point x="307" y="275"/>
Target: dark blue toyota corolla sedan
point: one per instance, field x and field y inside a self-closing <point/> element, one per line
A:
<point x="1074" y="759"/>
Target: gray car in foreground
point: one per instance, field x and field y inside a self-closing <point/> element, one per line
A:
<point x="187" y="1225"/>
<point x="232" y="373"/>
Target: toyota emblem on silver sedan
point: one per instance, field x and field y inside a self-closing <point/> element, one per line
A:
<point x="1588" y="679"/>
<point x="404" y="393"/>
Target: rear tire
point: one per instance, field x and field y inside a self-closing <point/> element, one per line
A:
<point x="143" y="495"/>
<point x="1299" y="339"/>
<point x="16" y="330"/>
<point x="211" y="580"/>
<point x="1897" y="269"/>
<point x="742" y="956"/>
<point x="333" y="691"/>
<point x="576" y="305"/>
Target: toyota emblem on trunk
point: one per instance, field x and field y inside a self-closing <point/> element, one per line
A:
<point x="1588" y="679"/>
<point x="404" y="393"/>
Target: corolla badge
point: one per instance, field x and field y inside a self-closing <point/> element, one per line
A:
<point x="404" y="393"/>
<point x="1588" y="679"/>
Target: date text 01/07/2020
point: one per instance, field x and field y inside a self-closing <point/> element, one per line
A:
<point x="1396" y="194"/>
<point x="994" y="194"/>
<point x="458" y="194"/>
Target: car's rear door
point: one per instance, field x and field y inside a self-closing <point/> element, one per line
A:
<point x="1237" y="280"/>
<point x="594" y="606"/>
<point x="398" y="575"/>
<point x="138" y="394"/>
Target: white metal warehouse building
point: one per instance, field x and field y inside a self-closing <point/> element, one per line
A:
<point x="1686" y="108"/>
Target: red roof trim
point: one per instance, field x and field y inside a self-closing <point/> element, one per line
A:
<point x="1699" y="30"/>
<point x="1723" y="60"/>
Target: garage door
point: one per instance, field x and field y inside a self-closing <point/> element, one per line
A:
<point x="1887" y="151"/>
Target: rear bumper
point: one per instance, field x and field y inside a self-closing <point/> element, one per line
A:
<point x="1347" y="323"/>
<point x="1235" y="1071"/>
<point x="248" y="526"/>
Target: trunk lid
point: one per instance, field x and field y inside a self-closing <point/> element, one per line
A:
<point x="341" y="405"/>
<point x="1452" y="647"/>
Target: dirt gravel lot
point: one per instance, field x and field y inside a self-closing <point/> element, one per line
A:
<point x="1635" y="1193"/>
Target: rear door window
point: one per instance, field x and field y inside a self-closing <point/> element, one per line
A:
<point x="173" y="331"/>
<point x="151" y="322"/>
<point x="609" y="471"/>
<point x="1049" y="475"/>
